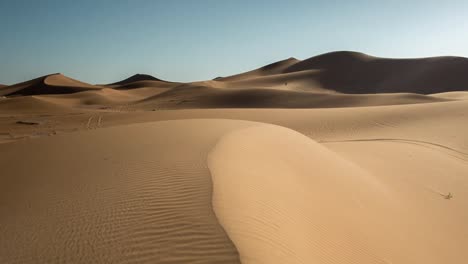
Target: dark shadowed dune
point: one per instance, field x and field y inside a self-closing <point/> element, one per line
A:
<point x="357" y="73"/>
<point x="136" y="78"/>
<point x="142" y="84"/>
<point x="49" y="84"/>
<point x="140" y="81"/>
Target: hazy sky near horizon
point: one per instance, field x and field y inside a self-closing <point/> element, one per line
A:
<point x="102" y="41"/>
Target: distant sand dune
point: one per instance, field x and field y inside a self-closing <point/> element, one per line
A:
<point x="350" y="72"/>
<point x="50" y="84"/>
<point x="137" y="78"/>
<point x="270" y="69"/>
<point x="358" y="73"/>
<point x="140" y="81"/>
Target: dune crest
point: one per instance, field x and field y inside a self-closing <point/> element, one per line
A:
<point x="283" y="198"/>
<point x="359" y="73"/>
<point x="50" y="84"/>
<point x="136" y="78"/>
<point x="270" y="69"/>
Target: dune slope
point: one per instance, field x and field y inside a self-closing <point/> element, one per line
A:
<point x="136" y="78"/>
<point x="273" y="68"/>
<point x="351" y="72"/>
<point x="284" y="198"/>
<point x="141" y="195"/>
<point x="358" y="73"/>
<point x="49" y="84"/>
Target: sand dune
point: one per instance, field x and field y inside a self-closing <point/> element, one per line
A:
<point x="300" y="81"/>
<point x="350" y="72"/>
<point x="49" y="84"/>
<point x="284" y="198"/>
<point x="137" y="78"/>
<point x="270" y="69"/>
<point x="112" y="199"/>
<point x="103" y="97"/>
<point x="208" y="97"/>
<point x="358" y="73"/>
<point x="31" y="104"/>
<point x="140" y="81"/>
<point x="340" y="158"/>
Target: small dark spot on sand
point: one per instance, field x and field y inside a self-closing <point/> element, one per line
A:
<point x="28" y="122"/>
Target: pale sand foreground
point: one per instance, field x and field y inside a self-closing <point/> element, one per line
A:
<point x="142" y="194"/>
<point x="369" y="193"/>
<point x="289" y="163"/>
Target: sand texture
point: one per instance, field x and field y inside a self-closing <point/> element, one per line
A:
<point x="340" y="158"/>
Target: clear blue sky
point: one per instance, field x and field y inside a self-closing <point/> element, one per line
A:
<point x="100" y="41"/>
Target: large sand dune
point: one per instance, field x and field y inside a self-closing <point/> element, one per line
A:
<point x="140" y="81"/>
<point x="50" y="84"/>
<point x="340" y="158"/>
<point x="352" y="72"/>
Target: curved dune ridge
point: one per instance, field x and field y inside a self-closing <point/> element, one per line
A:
<point x="136" y="78"/>
<point x="139" y="81"/>
<point x="358" y="73"/>
<point x="49" y="84"/>
<point x="283" y="198"/>
<point x="142" y="193"/>
<point x="270" y="69"/>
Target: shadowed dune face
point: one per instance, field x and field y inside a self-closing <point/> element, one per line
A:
<point x="136" y="78"/>
<point x="50" y="84"/>
<point x="358" y="73"/>
<point x="143" y="84"/>
<point x="349" y="72"/>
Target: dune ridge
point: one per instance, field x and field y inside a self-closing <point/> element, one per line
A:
<point x="358" y="73"/>
<point x="136" y="78"/>
<point x="283" y="198"/>
<point x="141" y="81"/>
<point x="50" y="84"/>
<point x="270" y="69"/>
